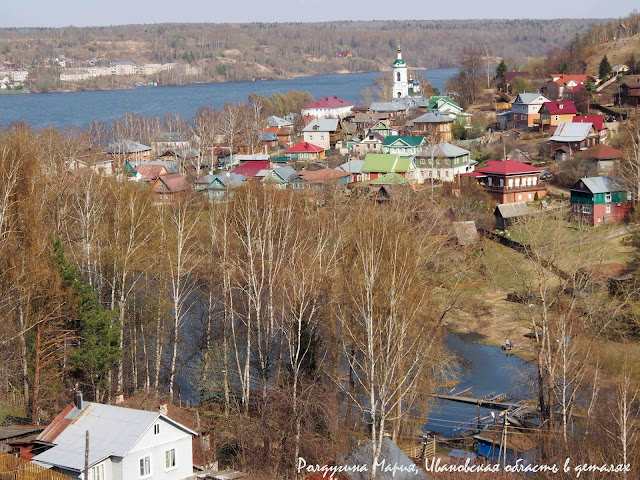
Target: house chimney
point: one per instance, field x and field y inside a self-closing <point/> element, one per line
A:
<point x="163" y="409"/>
<point x="78" y="400"/>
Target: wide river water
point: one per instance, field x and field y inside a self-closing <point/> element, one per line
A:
<point x="62" y="109"/>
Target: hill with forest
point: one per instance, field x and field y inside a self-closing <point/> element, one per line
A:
<point x="231" y="52"/>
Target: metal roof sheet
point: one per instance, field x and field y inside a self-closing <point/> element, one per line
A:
<point x="322" y="125"/>
<point x="512" y="210"/>
<point x="113" y="431"/>
<point x="447" y="150"/>
<point x="604" y="184"/>
<point x="572" y="132"/>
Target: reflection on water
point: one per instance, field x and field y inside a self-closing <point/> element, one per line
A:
<point x="486" y="370"/>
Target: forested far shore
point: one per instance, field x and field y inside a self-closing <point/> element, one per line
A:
<point x="233" y="52"/>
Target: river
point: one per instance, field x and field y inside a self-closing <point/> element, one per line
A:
<point x="487" y="371"/>
<point x="79" y="109"/>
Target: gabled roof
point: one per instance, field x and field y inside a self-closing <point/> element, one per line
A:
<point x="409" y="141"/>
<point x="251" y="169"/>
<point x="174" y="182"/>
<point x="507" y="167"/>
<point x="572" y="132"/>
<point x="561" y="108"/>
<point x="513" y="210"/>
<point x="304" y="147"/>
<point x="126" y="146"/>
<point x="222" y="180"/>
<point x="275" y="121"/>
<point x="437" y="102"/>
<point x="466" y="233"/>
<point x="172" y="166"/>
<point x="600" y="152"/>
<point x="150" y="172"/>
<point x="284" y="174"/>
<point x="529" y="98"/>
<point x="597" y="120"/>
<point x="325" y="175"/>
<point x="322" y="125"/>
<point x="391" y="178"/>
<point x="268" y="137"/>
<point x="113" y="432"/>
<point x="601" y="184"/>
<point x="328" y="102"/>
<point x="446" y="150"/>
<point x="563" y="78"/>
<point x="386" y="162"/>
<point x="351" y="166"/>
<point x="434" y="117"/>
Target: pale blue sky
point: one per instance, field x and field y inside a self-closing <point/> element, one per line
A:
<point x="57" y="13"/>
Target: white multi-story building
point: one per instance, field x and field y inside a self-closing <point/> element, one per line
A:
<point x="328" y="107"/>
<point x="123" y="68"/>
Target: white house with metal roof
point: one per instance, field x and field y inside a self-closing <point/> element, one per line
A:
<point x="442" y="162"/>
<point x="124" y="444"/>
<point x="318" y="132"/>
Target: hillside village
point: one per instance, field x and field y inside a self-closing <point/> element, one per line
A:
<point x="530" y="158"/>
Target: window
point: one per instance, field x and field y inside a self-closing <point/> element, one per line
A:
<point x="422" y="161"/>
<point x="145" y="466"/>
<point x="576" y="207"/>
<point x="170" y="459"/>
<point x="607" y="197"/>
<point x="97" y="472"/>
<point x="398" y="77"/>
<point x="586" y="209"/>
<point x="607" y="208"/>
<point x="156" y="429"/>
<point x="557" y="118"/>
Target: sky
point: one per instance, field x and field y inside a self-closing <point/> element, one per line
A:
<point x="59" y="13"/>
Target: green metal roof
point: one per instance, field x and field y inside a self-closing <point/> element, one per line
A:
<point x="399" y="62"/>
<point x="411" y="141"/>
<point x="386" y="162"/>
<point x="434" y="100"/>
<point x="388" y="179"/>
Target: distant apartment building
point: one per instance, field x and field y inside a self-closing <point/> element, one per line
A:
<point x="123" y="68"/>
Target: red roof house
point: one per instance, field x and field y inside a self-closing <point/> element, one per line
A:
<point x="304" y="151"/>
<point x="510" y="181"/>
<point x="251" y="169"/>
<point x="167" y="186"/>
<point x="328" y="107"/>
<point x="598" y="123"/>
<point x="554" y="113"/>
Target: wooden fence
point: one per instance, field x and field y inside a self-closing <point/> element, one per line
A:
<point x="15" y="468"/>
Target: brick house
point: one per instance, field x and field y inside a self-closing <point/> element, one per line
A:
<point x="509" y="181"/>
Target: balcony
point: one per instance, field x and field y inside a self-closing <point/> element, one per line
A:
<point x="505" y="189"/>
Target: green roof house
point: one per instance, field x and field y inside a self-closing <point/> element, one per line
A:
<point x="403" y="145"/>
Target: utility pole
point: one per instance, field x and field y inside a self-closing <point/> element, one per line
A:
<point x="86" y="456"/>
<point x="493" y="440"/>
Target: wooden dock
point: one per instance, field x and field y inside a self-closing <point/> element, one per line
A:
<point x="496" y="401"/>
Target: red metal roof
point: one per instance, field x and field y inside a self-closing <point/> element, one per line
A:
<point x="561" y="108"/>
<point x="475" y="173"/>
<point x="304" y="147"/>
<point x="563" y="78"/>
<point x="597" y="120"/>
<point x="328" y="102"/>
<point x="150" y="172"/>
<point x="601" y="152"/>
<point x="175" y="182"/>
<point x="251" y="168"/>
<point x="507" y="167"/>
<point x="322" y="176"/>
<point x="57" y="426"/>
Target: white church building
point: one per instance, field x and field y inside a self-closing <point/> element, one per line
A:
<point x="403" y="85"/>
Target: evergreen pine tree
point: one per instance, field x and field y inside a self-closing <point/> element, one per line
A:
<point x="501" y="69"/>
<point x="98" y="346"/>
<point x="605" y="68"/>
